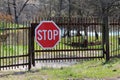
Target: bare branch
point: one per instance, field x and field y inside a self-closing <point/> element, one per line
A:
<point x="23" y="7"/>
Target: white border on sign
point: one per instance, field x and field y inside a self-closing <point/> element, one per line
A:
<point x="59" y="35"/>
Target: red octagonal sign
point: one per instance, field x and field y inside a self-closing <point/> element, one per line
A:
<point x="47" y="34"/>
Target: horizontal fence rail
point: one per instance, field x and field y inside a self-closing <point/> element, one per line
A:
<point x="81" y="38"/>
<point x="13" y="45"/>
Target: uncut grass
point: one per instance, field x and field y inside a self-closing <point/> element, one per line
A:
<point x="11" y="50"/>
<point x="91" y="69"/>
<point x="88" y="69"/>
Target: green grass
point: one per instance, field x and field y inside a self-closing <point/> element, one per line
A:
<point x="92" y="69"/>
<point x="66" y="43"/>
<point x="4" y="25"/>
<point x="12" y="50"/>
<point x="87" y="69"/>
<point x="9" y="25"/>
<point x="20" y="49"/>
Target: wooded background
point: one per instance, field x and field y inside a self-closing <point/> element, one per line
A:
<point x="24" y="10"/>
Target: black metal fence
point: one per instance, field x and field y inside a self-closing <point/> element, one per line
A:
<point x="114" y="38"/>
<point x="81" y="38"/>
<point x="13" y="45"/>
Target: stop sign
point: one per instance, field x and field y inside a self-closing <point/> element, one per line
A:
<point x="47" y="34"/>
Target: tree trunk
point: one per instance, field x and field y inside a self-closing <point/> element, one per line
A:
<point x="9" y="9"/>
<point x="15" y="12"/>
<point x="60" y="8"/>
<point x="69" y="14"/>
<point x="105" y="34"/>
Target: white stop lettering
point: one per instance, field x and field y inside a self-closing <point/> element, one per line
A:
<point x="47" y="34"/>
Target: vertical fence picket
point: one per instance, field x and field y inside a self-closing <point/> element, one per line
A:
<point x="14" y="54"/>
<point x="23" y="45"/>
<point x="112" y="35"/>
<point x="6" y="50"/>
<point x="16" y="47"/>
<point x="118" y="37"/>
<point x="3" y="53"/>
<point x="0" y="48"/>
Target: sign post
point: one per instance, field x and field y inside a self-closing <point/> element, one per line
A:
<point x="47" y="34"/>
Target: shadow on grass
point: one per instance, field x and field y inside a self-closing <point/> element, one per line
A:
<point x="17" y="73"/>
<point x="116" y="56"/>
<point x="112" y="60"/>
<point x="76" y="45"/>
<point x="84" y="44"/>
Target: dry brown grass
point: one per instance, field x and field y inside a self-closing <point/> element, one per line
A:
<point x="6" y="17"/>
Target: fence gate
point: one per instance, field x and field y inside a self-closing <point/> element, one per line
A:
<point x="81" y="38"/>
<point x="14" y="46"/>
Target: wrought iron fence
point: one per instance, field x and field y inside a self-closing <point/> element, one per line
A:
<point x="13" y="45"/>
<point x="81" y="38"/>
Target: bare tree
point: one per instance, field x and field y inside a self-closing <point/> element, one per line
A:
<point x="102" y="7"/>
<point x="17" y="10"/>
<point x="60" y="7"/>
<point x="8" y="7"/>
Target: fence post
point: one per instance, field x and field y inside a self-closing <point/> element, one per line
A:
<point x="29" y="47"/>
<point x="32" y="43"/>
<point x="107" y="40"/>
<point x="106" y="36"/>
